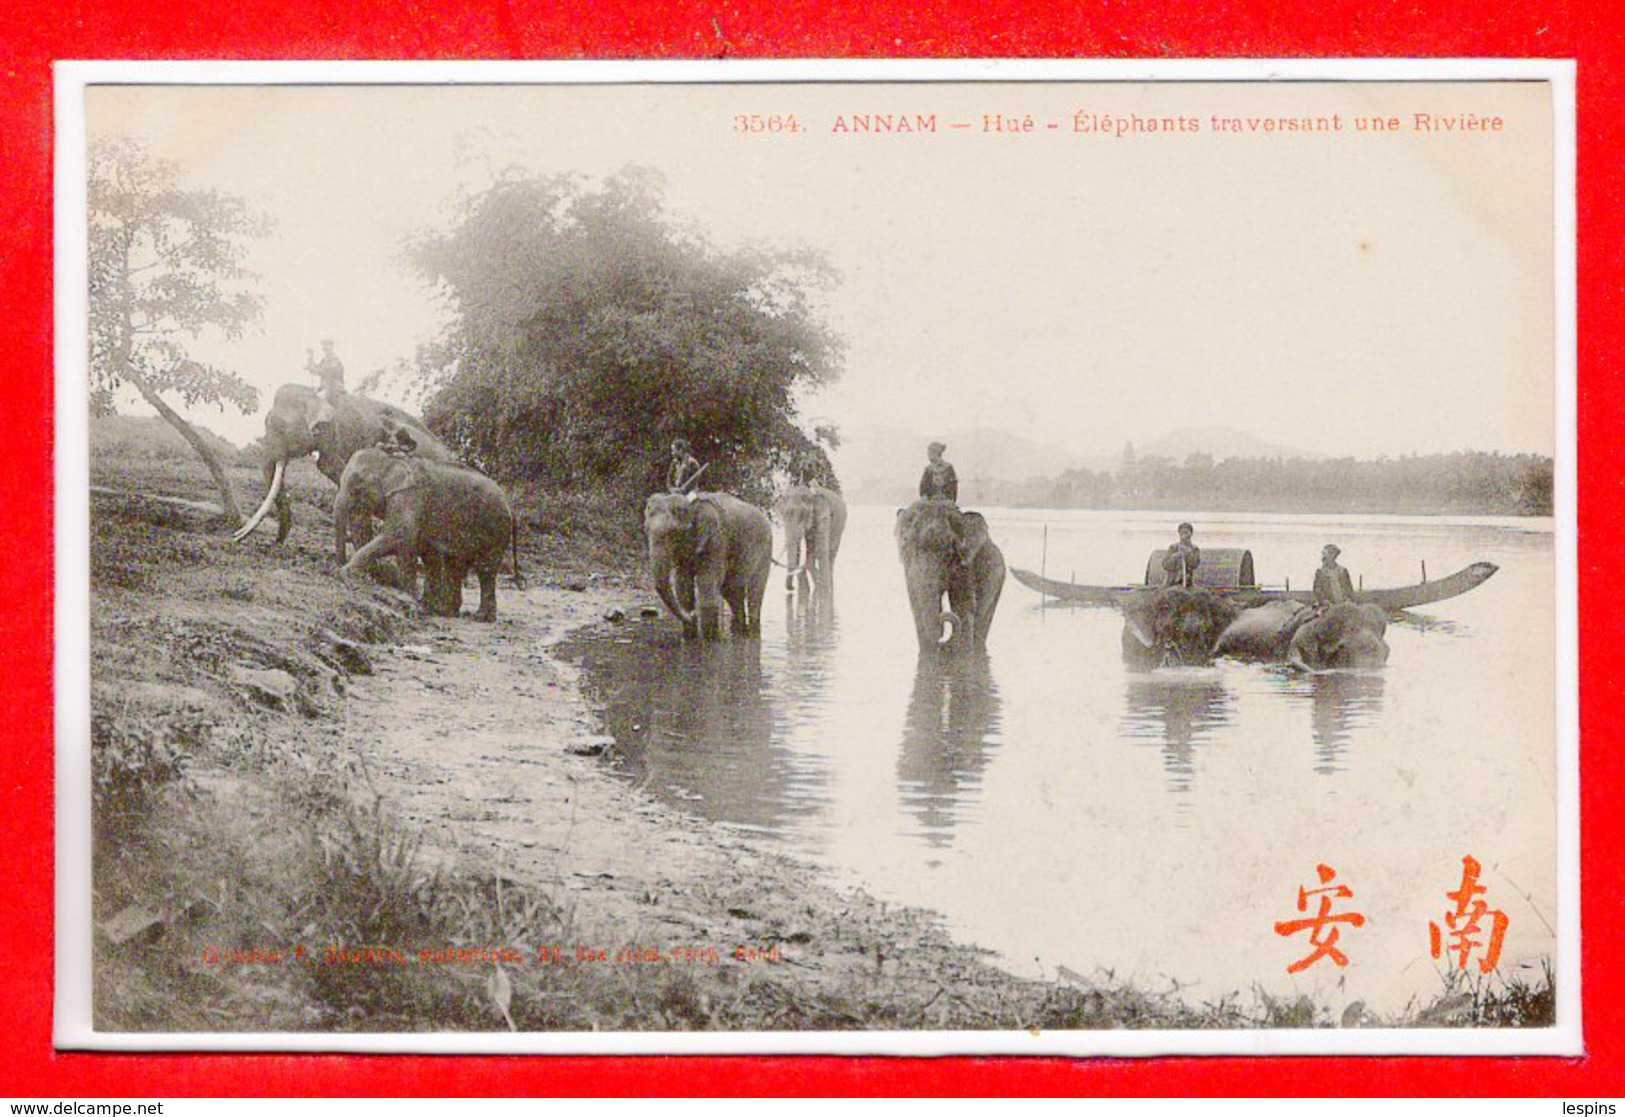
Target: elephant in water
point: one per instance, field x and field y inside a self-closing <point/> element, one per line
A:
<point x="1341" y="637"/>
<point x="302" y="422"/>
<point x="814" y="518"/>
<point x="1331" y="637"/>
<point x="1173" y="626"/>
<point x="452" y="517"/>
<point x="705" y="551"/>
<point x="947" y="551"/>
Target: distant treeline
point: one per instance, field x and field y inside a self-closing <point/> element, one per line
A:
<point x="1465" y="483"/>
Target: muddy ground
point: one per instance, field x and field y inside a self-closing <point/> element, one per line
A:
<point x="317" y="809"/>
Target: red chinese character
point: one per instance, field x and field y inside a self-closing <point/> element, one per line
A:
<point x="1463" y="922"/>
<point x="1322" y="925"/>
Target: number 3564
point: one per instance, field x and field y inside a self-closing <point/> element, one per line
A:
<point x="755" y="123"/>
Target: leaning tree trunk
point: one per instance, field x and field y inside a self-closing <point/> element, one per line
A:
<point x="188" y="432"/>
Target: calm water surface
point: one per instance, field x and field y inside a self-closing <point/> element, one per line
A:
<point x="1061" y="810"/>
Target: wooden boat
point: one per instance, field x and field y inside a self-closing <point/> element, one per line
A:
<point x="1228" y="580"/>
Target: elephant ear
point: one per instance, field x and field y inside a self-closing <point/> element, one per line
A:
<point x="1138" y="618"/>
<point x="402" y="474"/>
<point x="703" y="522"/>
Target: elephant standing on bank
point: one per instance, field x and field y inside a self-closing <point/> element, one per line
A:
<point x="302" y="422"/>
<point x="452" y="517"/>
<point x="948" y="551"/>
<point x="705" y="551"/>
<point x="814" y="520"/>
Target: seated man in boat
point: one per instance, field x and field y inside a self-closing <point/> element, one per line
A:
<point x="939" y="481"/>
<point x="1332" y="582"/>
<point x="1182" y="559"/>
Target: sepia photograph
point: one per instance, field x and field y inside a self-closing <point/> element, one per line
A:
<point x="912" y="558"/>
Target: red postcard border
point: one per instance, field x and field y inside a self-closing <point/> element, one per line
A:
<point x="34" y="34"/>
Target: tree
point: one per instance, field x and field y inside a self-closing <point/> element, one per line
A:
<point x="588" y="329"/>
<point x="166" y="267"/>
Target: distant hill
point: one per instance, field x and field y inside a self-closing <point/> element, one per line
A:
<point x="883" y="463"/>
<point x="149" y="438"/>
<point x="1221" y="443"/>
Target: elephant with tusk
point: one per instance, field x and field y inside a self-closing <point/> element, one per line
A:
<point x="948" y="552"/>
<point x="302" y="422"/>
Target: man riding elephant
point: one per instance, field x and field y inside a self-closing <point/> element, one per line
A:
<point x="949" y="552"/>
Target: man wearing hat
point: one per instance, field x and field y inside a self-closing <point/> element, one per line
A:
<point x="1332" y="583"/>
<point x="939" y="482"/>
<point x="329" y="371"/>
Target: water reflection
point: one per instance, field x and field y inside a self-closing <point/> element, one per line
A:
<point x="951" y="727"/>
<point x="695" y="722"/>
<point x="1343" y="703"/>
<point x="1178" y="709"/>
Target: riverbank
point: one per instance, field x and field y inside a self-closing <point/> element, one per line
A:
<point x="319" y="811"/>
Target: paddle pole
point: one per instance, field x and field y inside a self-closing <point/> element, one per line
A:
<point x="1043" y="560"/>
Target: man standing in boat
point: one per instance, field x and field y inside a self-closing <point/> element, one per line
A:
<point x="1182" y="559"/>
<point x="1332" y="582"/>
<point x="939" y="481"/>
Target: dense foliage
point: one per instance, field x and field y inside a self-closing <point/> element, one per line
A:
<point x="166" y="266"/>
<point x="589" y="329"/>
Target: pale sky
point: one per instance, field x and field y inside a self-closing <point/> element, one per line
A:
<point x="1347" y="293"/>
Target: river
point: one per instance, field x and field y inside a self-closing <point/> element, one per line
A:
<point x="1063" y="811"/>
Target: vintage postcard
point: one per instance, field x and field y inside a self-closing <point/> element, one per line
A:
<point x="817" y="557"/>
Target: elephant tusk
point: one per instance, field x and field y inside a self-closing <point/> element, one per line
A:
<point x="264" y="509"/>
<point x="950" y="625"/>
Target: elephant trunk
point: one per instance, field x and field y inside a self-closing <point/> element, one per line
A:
<point x="793" y="564"/>
<point x="264" y="509"/>
<point x="660" y="569"/>
<point x="950" y="625"/>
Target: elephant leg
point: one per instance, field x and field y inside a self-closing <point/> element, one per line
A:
<point x="962" y="600"/>
<point x="739" y="621"/>
<point x="708" y="606"/>
<point x="434" y="585"/>
<point x="755" y="593"/>
<point x="391" y="541"/>
<point x="488" y="596"/>
<point x="456" y="573"/>
<point x="284" y="506"/>
<point x="986" y="602"/>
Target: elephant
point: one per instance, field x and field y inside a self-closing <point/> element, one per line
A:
<point x="451" y="516"/>
<point x="814" y="518"/>
<point x="1193" y="626"/>
<point x="1340" y="637"/>
<point x="947" y="551"/>
<point x="706" y="550"/>
<point x="1263" y="632"/>
<point x="302" y="422"/>
<point x="1173" y="626"/>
